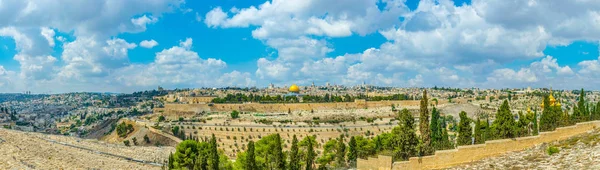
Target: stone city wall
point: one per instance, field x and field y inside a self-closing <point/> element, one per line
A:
<point x="383" y="162"/>
<point x="470" y="153"/>
<point x="281" y="107"/>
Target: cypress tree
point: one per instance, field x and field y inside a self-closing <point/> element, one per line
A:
<point x="250" y="163"/>
<point x="352" y="152"/>
<point x="535" y="123"/>
<point x="310" y="154"/>
<point x="404" y="137"/>
<point x="214" y="154"/>
<point x="548" y="121"/>
<point x="436" y="131"/>
<point x="424" y="126"/>
<point x="464" y="130"/>
<point x="279" y="157"/>
<point x="294" y="158"/>
<point x="478" y="132"/>
<point x="341" y="152"/>
<point x="446" y="144"/>
<point x="505" y="122"/>
<point x="583" y="111"/>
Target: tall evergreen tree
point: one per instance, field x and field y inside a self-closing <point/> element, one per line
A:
<point x="464" y="130"/>
<point x="436" y="131"/>
<point x="548" y="119"/>
<point x="426" y="148"/>
<point x="446" y="144"/>
<point x="341" y="152"/>
<point x="250" y="163"/>
<point x="404" y="136"/>
<point x="214" y="154"/>
<point x="279" y="157"/>
<point x="583" y="111"/>
<point x="535" y="123"/>
<point x="596" y="112"/>
<point x="294" y="158"/>
<point x="310" y="154"/>
<point x="478" y="132"/>
<point x="352" y="152"/>
<point x="505" y="125"/>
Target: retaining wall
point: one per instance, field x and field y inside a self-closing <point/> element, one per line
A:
<point x="470" y="153"/>
<point x="282" y="107"/>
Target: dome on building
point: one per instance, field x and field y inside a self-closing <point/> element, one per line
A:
<point x="294" y="88"/>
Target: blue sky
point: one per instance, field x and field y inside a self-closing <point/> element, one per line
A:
<point x="131" y="45"/>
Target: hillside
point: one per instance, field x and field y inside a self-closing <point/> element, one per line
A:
<point x="579" y="152"/>
<point x="25" y="150"/>
<point x="156" y="137"/>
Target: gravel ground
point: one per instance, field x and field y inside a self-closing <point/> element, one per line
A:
<point x="580" y="152"/>
<point x="21" y="150"/>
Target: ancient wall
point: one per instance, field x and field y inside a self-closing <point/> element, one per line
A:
<point x="383" y="162"/>
<point x="282" y="107"/>
<point x="465" y="154"/>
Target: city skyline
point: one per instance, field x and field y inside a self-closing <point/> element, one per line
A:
<point x="106" y="46"/>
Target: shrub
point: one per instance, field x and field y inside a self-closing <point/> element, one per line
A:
<point x="126" y="142"/>
<point x="552" y="150"/>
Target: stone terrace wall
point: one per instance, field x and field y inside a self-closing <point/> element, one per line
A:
<point x="375" y="163"/>
<point x="470" y="153"/>
<point x="283" y="108"/>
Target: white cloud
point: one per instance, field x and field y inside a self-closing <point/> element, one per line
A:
<point x="143" y="21"/>
<point x="179" y="67"/>
<point x="293" y="18"/>
<point x="148" y="43"/>
<point x="198" y="17"/>
<point x="187" y="44"/>
<point x="49" y="35"/>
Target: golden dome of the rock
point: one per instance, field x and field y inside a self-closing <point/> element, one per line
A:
<point x="294" y="88"/>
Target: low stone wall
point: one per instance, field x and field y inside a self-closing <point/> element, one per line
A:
<point x="381" y="162"/>
<point x="282" y="107"/>
<point x="471" y="153"/>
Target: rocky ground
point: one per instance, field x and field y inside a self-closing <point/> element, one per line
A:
<point x="580" y="152"/>
<point x="24" y="150"/>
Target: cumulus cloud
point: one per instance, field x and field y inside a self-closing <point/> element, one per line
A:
<point x="49" y="35"/>
<point x="293" y="18"/>
<point x="179" y="67"/>
<point x="148" y="43"/>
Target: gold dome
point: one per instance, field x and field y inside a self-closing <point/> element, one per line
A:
<point x="294" y="88"/>
<point x="552" y="99"/>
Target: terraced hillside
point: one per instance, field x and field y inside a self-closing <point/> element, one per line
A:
<point x="25" y="150"/>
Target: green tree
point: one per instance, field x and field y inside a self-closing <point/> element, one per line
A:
<point x="161" y="118"/>
<point x="478" y="132"/>
<point x="294" y="157"/>
<point x="279" y="157"/>
<point x="310" y="153"/>
<point x="436" y="131"/>
<point x="352" y="152"/>
<point x="583" y="110"/>
<point x="340" y="152"/>
<point x="235" y="114"/>
<point x="505" y="125"/>
<point x="548" y="120"/>
<point x="250" y="160"/>
<point x="535" y="123"/>
<point x="146" y="138"/>
<point x="464" y="130"/>
<point x="126" y="142"/>
<point x="134" y="139"/>
<point x="404" y="137"/>
<point x="214" y="154"/>
<point x="424" y="126"/>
